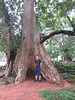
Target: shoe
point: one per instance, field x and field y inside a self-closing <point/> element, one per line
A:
<point x="39" y="81"/>
<point x="35" y="81"/>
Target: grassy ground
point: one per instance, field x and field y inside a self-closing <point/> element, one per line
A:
<point x="62" y="94"/>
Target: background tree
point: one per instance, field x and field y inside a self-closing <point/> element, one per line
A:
<point x="9" y="36"/>
<point x="61" y="48"/>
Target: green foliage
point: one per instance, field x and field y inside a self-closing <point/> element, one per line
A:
<point x="15" y="42"/>
<point x="72" y="78"/>
<point x="2" y="9"/>
<point x="62" y="94"/>
<point x="67" y="70"/>
<point x="65" y="67"/>
<point x="2" y="54"/>
<point x="52" y="14"/>
<point x="57" y="45"/>
<point x="2" y="43"/>
<point x="65" y="6"/>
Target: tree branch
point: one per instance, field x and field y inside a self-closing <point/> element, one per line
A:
<point x="72" y="24"/>
<point x="70" y="33"/>
<point x="58" y="42"/>
<point x="69" y="20"/>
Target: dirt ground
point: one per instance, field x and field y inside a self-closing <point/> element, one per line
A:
<point x="28" y="90"/>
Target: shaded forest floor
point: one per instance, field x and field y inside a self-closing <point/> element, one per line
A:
<point x="27" y="90"/>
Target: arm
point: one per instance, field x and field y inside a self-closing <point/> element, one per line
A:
<point x="40" y="64"/>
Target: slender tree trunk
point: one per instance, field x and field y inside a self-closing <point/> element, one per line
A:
<point x="31" y="47"/>
<point x="67" y="58"/>
<point x="6" y="34"/>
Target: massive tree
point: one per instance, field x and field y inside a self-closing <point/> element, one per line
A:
<point x="32" y="45"/>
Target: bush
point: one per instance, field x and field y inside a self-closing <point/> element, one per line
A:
<point x="62" y="94"/>
<point x="67" y="70"/>
<point x="65" y="67"/>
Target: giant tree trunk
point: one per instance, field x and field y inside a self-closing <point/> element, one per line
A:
<point x="32" y="47"/>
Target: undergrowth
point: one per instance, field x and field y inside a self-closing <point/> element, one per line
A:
<point x="62" y="94"/>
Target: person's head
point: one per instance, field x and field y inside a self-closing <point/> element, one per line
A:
<point x="37" y="57"/>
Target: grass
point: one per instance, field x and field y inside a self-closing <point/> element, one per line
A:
<point x="62" y="94"/>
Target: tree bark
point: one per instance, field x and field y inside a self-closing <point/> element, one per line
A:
<point x="31" y="47"/>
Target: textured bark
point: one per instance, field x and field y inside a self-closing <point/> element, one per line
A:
<point x="26" y="56"/>
<point x="31" y="47"/>
<point x="16" y="62"/>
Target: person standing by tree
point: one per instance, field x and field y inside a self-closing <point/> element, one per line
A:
<point x="37" y="68"/>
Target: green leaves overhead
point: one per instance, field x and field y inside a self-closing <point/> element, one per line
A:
<point x="2" y="9"/>
<point x="66" y="6"/>
<point x="49" y="13"/>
